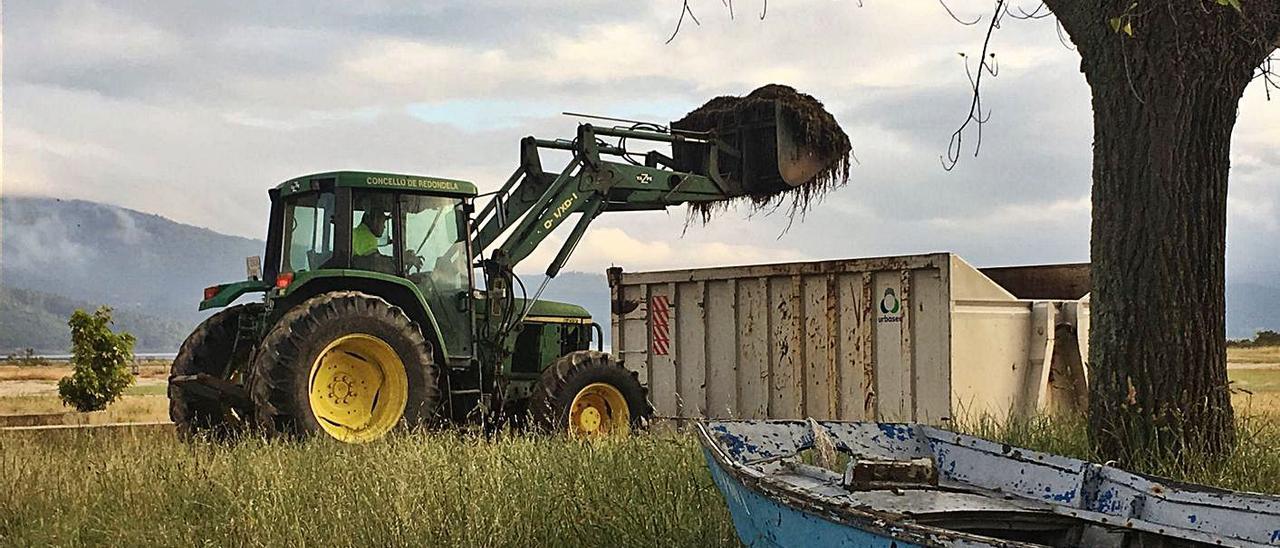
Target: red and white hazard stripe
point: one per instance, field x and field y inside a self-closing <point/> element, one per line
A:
<point x="660" y="324"/>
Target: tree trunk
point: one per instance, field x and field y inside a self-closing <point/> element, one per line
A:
<point x="1163" y="116"/>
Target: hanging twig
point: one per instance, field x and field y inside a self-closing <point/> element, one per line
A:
<point x="684" y="10"/>
<point x="986" y="64"/>
<point x="956" y="17"/>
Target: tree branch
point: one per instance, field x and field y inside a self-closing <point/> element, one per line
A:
<point x="683" y="11"/>
<point x="986" y="64"/>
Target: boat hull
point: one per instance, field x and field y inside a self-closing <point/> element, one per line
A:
<point x="763" y="522"/>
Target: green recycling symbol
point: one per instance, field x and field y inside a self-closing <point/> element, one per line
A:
<point x="889" y="304"/>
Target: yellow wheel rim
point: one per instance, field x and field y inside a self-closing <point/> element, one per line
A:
<point x="599" y="410"/>
<point x="358" y="388"/>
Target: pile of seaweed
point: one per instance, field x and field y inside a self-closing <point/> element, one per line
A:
<point x="817" y="131"/>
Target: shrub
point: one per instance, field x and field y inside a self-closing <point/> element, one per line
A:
<point x="101" y="359"/>
<point x="1266" y="338"/>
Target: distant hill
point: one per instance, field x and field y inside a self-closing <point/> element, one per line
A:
<point x="31" y="319"/>
<point x="143" y="265"/>
<point x="59" y="255"/>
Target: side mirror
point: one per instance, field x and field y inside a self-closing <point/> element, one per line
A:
<point x="253" y="267"/>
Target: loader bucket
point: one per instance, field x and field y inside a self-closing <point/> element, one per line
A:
<point x="764" y="145"/>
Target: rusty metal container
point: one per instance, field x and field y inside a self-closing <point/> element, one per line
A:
<point x="921" y="338"/>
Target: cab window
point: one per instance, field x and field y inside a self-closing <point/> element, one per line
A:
<point x="309" y="230"/>
<point x="435" y="254"/>
<point x="373" y="237"/>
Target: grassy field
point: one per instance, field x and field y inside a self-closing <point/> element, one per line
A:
<point x="11" y="371"/>
<point x="145" y="488"/>
<point x="130" y="408"/>
<point x="26" y="390"/>
<point x="1262" y="354"/>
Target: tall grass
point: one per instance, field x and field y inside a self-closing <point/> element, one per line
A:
<point x="1254" y="464"/>
<point x="145" y="488"/>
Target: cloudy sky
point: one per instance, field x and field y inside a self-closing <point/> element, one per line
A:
<point x="192" y="111"/>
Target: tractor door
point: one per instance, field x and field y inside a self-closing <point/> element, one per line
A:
<point x="436" y="258"/>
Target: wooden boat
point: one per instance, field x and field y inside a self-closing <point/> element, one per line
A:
<point x="809" y="483"/>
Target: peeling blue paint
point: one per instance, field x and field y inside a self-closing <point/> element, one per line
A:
<point x="897" y="431"/>
<point x="1108" y="502"/>
<point x="735" y="445"/>
<point x="1066" y="496"/>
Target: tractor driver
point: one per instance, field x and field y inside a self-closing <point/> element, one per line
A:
<point x="364" y="238"/>
<point x="364" y="241"/>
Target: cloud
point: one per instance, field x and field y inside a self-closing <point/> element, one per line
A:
<point x="194" y="112"/>
<point x="634" y="250"/>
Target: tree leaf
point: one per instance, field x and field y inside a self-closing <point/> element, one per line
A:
<point x="1115" y="22"/>
<point x="1128" y="28"/>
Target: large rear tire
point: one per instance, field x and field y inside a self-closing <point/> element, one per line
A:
<point x="344" y="364"/>
<point x="208" y="349"/>
<point x="586" y="395"/>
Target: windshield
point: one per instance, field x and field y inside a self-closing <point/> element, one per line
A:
<point x="433" y="237"/>
<point x="308" y="232"/>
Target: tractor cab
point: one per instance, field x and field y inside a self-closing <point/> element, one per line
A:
<point x="400" y="236"/>
<point x="398" y="225"/>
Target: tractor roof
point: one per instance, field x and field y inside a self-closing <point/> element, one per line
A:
<point x="370" y="179"/>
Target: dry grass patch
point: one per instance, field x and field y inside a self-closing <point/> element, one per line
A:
<point x="10" y="372"/>
<point x="129" y="408"/>
<point x="1255" y="390"/>
<point x="1254" y="355"/>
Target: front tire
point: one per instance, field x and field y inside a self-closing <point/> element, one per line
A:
<point x="344" y="364"/>
<point x="209" y="349"/>
<point x="586" y="395"/>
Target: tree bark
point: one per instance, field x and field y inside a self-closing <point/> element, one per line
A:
<point x="1164" y="103"/>
<point x="1158" y="346"/>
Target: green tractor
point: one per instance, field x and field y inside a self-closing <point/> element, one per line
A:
<point x="389" y="302"/>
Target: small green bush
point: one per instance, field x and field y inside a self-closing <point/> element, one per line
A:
<point x="101" y="359"/>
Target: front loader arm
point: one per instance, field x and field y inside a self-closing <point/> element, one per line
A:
<point x="535" y="203"/>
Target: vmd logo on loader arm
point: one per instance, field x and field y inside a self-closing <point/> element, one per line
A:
<point x="890" y="307"/>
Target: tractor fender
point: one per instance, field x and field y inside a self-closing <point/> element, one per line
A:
<point x="228" y="293"/>
<point x="397" y="291"/>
